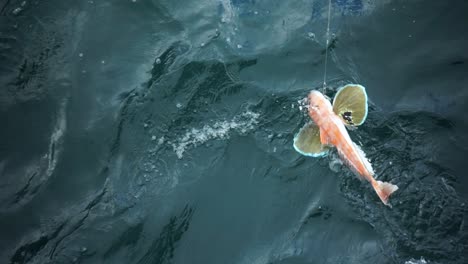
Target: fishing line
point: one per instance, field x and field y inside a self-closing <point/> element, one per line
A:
<point x="326" y="47"/>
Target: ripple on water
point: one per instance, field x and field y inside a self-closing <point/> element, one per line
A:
<point x="427" y="218"/>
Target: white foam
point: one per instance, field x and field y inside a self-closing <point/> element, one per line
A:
<point x="415" y="261"/>
<point x="303" y="104"/>
<point x="160" y="140"/>
<point x="228" y="13"/>
<point x="56" y="139"/>
<point x="219" y="130"/>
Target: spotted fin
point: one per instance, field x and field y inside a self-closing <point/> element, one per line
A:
<point x="307" y="141"/>
<point x="350" y="104"/>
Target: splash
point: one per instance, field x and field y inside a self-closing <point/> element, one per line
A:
<point x="303" y="104"/>
<point x="242" y="124"/>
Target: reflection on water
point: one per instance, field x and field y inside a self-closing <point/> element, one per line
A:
<point x="144" y="132"/>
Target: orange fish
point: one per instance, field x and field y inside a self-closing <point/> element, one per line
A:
<point x="329" y="129"/>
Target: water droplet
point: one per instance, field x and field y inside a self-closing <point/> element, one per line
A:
<point x="161" y="140"/>
<point x="239" y="46"/>
<point x="158" y="61"/>
<point x="202" y="44"/>
<point x="103" y="62"/>
<point x="256" y="12"/>
<point x="81" y="55"/>
<point x="153" y="138"/>
<point x="228" y="39"/>
<point x="17" y="10"/>
<point x="178" y="105"/>
<point x="311" y="35"/>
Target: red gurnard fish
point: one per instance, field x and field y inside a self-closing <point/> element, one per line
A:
<point x="329" y="130"/>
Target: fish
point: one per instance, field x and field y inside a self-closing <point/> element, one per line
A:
<point x="328" y="129"/>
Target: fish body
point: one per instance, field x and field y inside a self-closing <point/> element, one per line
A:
<point x="333" y="132"/>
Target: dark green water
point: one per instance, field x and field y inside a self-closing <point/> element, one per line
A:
<point x="161" y="132"/>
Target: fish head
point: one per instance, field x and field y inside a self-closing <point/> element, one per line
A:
<point x="318" y="104"/>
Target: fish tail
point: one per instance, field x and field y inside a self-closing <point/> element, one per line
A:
<point x="384" y="190"/>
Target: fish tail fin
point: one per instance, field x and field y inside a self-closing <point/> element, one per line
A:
<point x="384" y="190"/>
